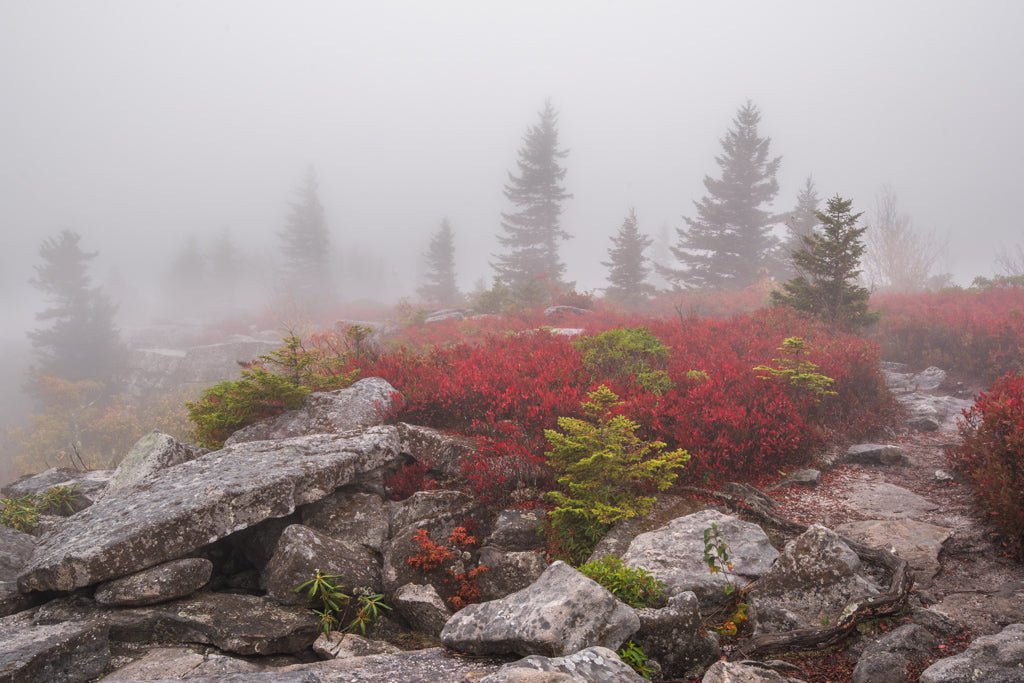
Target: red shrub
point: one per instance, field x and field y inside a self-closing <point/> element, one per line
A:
<point x="431" y="555"/>
<point x="407" y="480"/>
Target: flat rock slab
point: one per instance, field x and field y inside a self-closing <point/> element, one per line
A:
<point x="983" y="613"/>
<point x="997" y="658"/>
<point x="178" y="663"/>
<point x="592" y="665"/>
<point x="919" y="543"/>
<point x="875" y="454"/>
<point x="70" y="653"/>
<point x="201" y="501"/>
<point x="434" y="665"/>
<point x="886" y="501"/>
<point x="168" y="581"/>
<point x="150" y="454"/>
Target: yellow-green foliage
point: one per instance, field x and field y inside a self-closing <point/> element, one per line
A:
<point x="635" y="587"/>
<point x="606" y="473"/>
<point x="22" y="513"/>
<point x="797" y="371"/>
<point x="624" y="353"/>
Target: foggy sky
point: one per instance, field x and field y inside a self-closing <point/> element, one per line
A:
<point x="139" y="123"/>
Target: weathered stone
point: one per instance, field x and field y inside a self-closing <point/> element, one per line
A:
<point x="517" y="530"/>
<point x="178" y="663"/>
<point x="674" y="554"/>
<point x="150" y="454"/>
<point x="88" y="484"/>
<point x="256" y="544"/>
<point x="888" y="659"/>
<point x="434" y="665"/>
<point x="558" y="311"/>
<point x="68" y="652"/>
<point x="198" y="502"/>
<point x="301" y="551"/>
<point x="984" y="612"/>
<point x="396" y="569"/>
<point x="440" y="452"/>
<point x="936" y="622"/>
<point x="168" y="581"/>
<point x="508" y="572"/>
<point x="337" y="645"/>
<point x="943" y="476"/>
<point x="806" y="477"/>
<point x="444" y="314"/>
<point x="422" y="608"/>
<point x="886" y="501"/>
<point x="924" y="424"/>
<point x="592" y="665"/>
<point x="809" y="585"/>
<point x="744" y="672"/>
<point x="559" y="614"/>
<point x="364" y="404"/>
<point x="996" y="658"/>
<point x="918" y="543"/>
<point x="875" y="454"/>
<point x="928" y="379"/>
<point x="432" y="506"/>
<point x="298" y="676"/>
<point x="675" y="637"/>
<point x="360" y="518"/>
<point x="15" y="551"/>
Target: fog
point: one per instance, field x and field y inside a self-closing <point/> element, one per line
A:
<point x="141" y="124"/>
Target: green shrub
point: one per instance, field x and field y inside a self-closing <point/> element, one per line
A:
<point x="635" y="587"/>
<point x="606" y="472"/>
<point x="625" y="354"/>
<point x="22" y="513"/>
<point x="336" y="605"/>
<point x="798" y="372"/>
<point x="633" y="655"/>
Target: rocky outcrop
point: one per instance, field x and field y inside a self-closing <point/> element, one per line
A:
<point x="301" y="551"/>
<point x="168" y="581"/>
<point x="432" y="665"/>
<point x="592" y="665"/>
<point x="675" y="637"/>
<point x="875" y="454"/>
<point x="885" y="500"/>
<point x="919" y="543"/>
<point x="517" y="530"/>
<point x="997" y="658"/>
<point x="889" y="659"/>
<point x="359" y="518"/>
<point x="366" y="403"/>
<point x="674" y="554"/>
<point x="422" y="608"/>
<point x="179" y="663"/>
<point x="440" y="452"/>
<point x="337" y="645"/>
<point x="200" y="501"/>
<point x="508" y="572"/>
<point x="149" y="455"/>
<point x="431" y="506"/>
<point x="88" y="486"/>
<point x="69" y="652"/>
<point x="15" y="550"/>
<point x="559" y="614"/>
<point x="745" y="672"/>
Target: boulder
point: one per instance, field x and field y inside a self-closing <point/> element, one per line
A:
<point x="744" y="672"/>
<point x="434" y="665"/>
<point x="806" y="477"/>
<point x="928" y="379"/>
<point x="924" y="424"/>
<point x="675" y="637"/>
<point x="984" y="612"/>
<point x="431" y="506"/>
<point x="15" y="551"/>
<point x="301" y="551"/>
<point x="517" y="530"/>
<point x="150" y="454"/>
<point x="885" y="500"/>
<point x="888" y="659"/>
<point x="439" y="451"/>
<point x="364" y="404"/>
<point x="810" y="584"/>
<point x="356" y="518"/>
<point x="995" y="658"/>
<point x="592" y="665"/>
<point x="88" y="485"/>
<point x="444" y="314"/>
<point x="674" y="554"/>
<point x="200" y="501"/>
<point x="559" y="614"/>
<point x="875" y="454"/>
<point x="70" y="653"/>
<point x="422" y="608"/>
<point x="919" y="543"/>
<point x="559" y="311"/>
<point x="508" y="572"/>
<point x="337" y="645"/>
<point x="179" y="663"/>
<point x="396" y="569"/>
<point x="168" y="581"/>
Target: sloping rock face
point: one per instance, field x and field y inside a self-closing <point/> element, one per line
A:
<point x="675" y="636"/>
<point x="440" y="452"/>
<point x="508" y="572"/>
<point x="809" y="585"/>
<point x="742" y="672"/>
<point x="337" y="645"/>
<point x="301" y="551"/>
<point x="354" y="517"/>
<point x="875" y="454"/>
<point x="994" y="659"/>
<point x="674" y="554"/>
<point x="888" y="659"/>
<point x="434" y="665"/>
<point x="422" y="608"/>
<point x="150" y="454"/>
<point x="15" y="551"/>
<point x="161" y="583"/>
<point x="517" y="530"/>
<point x="559" y="614"/>
<point x="178" y="663"/>
<point x="885" y="500"/>
<point x="201" y="501"/>
<point x="88" y="485"/>
<point x="364" y="404"/>
<point x="71" y="653"/>
<point x="919" y="543"/>
<point x="592" y="665"/>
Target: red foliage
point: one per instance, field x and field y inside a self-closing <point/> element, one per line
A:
<point x="991" y="455"/>
<point x="467" y="591"/>
<point x="431" y="554"/>
<point x="977" y="332"/>
<point x="407" y="480"/>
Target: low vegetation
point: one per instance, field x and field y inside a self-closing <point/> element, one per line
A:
<point x="636" y="587"/>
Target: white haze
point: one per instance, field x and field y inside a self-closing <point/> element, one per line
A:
<point x="140" y="123"/>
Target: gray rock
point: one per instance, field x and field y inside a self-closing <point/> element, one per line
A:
<point x="888" y="659"/>
<point x="364" y="404"/>
<point x="996" y="658"/>
<point x="675" y="637"/>
<point x="431" y="506"/>
<point x="434" y="665"/>
<point x="508" y="572"/>
<point x="88" y="484"/>
<point x="200" y="501"/>
<point x="517" y="530"/>
<point x="919" y="543"/>
<point x="929" y="379"/>
<point x="180" y="663"/>
<point x="985" y="613"/>
<point x="70" y="653"/>
<point x="815" y="577"/>
<point x="397" y="571"/>
<point x="935" y="622"/>
<point x="924" y="424"/>
<point x="744" y="672"/>
<point x="440" y="452"/>
<point x="15" y="551"/>
<point x="360" y="518"/>
<point x="552" y="311"/>
<point x="422" y="608"/>
<point x="592" y="665"/>
<point x="337" y="645"/>
<point x="943" y="476"/>
<point x="168" y="581"/>
<point x="444" y="314"/>
<point x="559" y="614"/>
<point x="875" y="454"/>
<point x="301" y="551"/>
<point x="674" y="554"/>
<point x="806" y="477"/>
<point x="885" y="500"/>
<point x="150" y="454"/>
<point x="298" y="676"/>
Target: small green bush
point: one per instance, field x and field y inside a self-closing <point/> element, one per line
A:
<point x="635" y="587"/>
<point x="633" y="655"/>
<point x="627" y="353"/>
<point x="798" y="372"/>
<point x="22" y="513"/>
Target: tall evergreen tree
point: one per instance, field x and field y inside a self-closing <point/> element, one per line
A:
<point x="800" y="222"/>
<point x="532" y="232"/>
<point x="627" y="267"/>
<point x="729" y="244"/>
<point x="185" y="286"/>
<point x="828" y="268"/>
<point x="305" y="245"/>
<point x="82" y="341"/>
<point x="439" y="287"/>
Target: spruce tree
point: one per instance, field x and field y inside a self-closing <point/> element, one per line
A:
<point x="800" y="222"/>
<point x="82" y="341"/>
<point x="533" y="230"/>
<point x="828" y="268"/>
<point x="628" y="269"/>
<point x="729" y="244"/>
<point x="439" y="287"/>
<point x="305" y="246"/>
